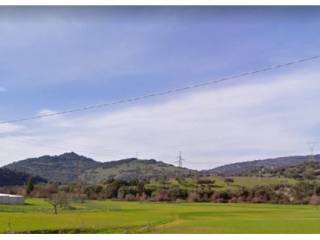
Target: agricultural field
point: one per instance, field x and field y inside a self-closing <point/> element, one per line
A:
<point x="36" y="216"/>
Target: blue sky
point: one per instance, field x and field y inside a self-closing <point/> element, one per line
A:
<point x="57" y="58"/>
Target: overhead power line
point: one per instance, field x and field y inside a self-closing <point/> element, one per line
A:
<point x="46" y="146"/>
<point x="166" y="92"/>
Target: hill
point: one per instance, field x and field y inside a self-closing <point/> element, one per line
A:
<point x="133" y="168"/>
<point x="12" y="178"/>
<point x="71" y="167"/>
<point x="62" y="168"/>
<point x="246" y="168"/>
<point x="308" y="170"/>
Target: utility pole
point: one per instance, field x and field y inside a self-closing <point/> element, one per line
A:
<point x="312" y="146"/>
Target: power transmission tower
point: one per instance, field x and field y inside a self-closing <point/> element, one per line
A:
<point x="312" y="146"/>
<point x="180" y="160"/>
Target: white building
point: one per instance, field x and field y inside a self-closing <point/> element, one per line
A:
<point x="11" y="199"/>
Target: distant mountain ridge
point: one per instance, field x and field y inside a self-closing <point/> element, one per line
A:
<point x="245" y="168"/>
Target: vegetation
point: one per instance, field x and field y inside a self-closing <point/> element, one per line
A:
<point x="30" y="186"/>
<point x="246" y="168"/>
<point x="58" y="200"/>
<point x="150" y="180"/>
<point x="148" y="217"/>
<point x="141" y="196"/>
<point x="11" y="178"/>
<point x="71" y="168"/>
<point x="62" y="168"/>
<point x="192" y="189"/>
<point x="309" y="170"/>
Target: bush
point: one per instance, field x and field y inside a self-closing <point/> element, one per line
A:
<point x="314" y="200"/>
<point x="205" y="181"/>
<point x="228" y="180"/>
<point x="130" y="197"/>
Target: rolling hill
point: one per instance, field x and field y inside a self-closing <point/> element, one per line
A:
<point x="71" y="167"/>
<point x="246" y="168"/>
<point x="132" y="168"/>
<point x="306" y="170"/>
<point x="62" y="168"/>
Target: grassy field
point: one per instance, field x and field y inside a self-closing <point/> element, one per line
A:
<point x="143" y="217"/>
<point x="220" y="184"/>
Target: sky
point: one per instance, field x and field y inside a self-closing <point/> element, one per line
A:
<point x="58" y="58"/>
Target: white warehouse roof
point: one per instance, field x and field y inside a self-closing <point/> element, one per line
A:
<point x="11" y="199"/>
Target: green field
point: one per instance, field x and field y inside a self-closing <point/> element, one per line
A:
<point x="220" y="184"/>
<point x="144" y="217"/>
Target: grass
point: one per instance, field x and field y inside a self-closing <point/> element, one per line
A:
<point x="144" y="217"/>
<point x="250" y="182"/>
<point x="220" y="184"/>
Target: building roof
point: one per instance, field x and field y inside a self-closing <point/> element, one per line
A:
<point x="10" y="195"/>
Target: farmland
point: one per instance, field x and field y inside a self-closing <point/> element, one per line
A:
<point x="151" y="217"/>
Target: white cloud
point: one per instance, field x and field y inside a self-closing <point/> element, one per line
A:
<point x="10" y="128"/>
<point x="274" y="116"/>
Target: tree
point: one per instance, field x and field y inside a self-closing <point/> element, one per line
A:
<point x="58" y="200"/>
<point x="112" y="188"/>
<point x="30" y="186"/>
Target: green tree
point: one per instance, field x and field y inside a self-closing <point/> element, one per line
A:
<point x="30" y="186"/>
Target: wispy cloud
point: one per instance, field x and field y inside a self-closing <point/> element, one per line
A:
<point x="212" y="127"/>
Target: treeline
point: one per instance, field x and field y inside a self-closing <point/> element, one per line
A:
<point x="304" y="192"/>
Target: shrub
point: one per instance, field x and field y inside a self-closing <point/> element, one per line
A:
<point x="314" y="200"/>
<point x="130" y="197"/>
<point x="228" y="180"/>
<point x="205" y="181"/>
